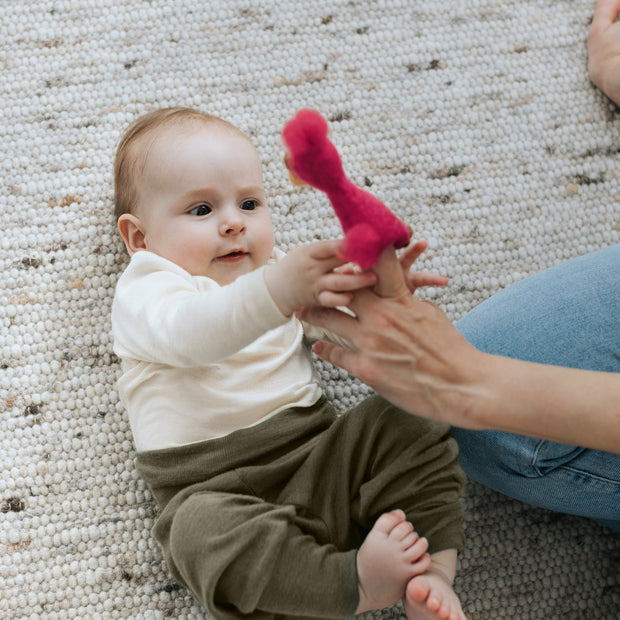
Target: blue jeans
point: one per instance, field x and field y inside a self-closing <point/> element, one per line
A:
<point x="568" y="315"/>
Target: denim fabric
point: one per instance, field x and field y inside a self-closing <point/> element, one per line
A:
<point x="568" y="315"/>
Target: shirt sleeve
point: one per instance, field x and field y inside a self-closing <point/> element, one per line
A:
<point x="162" y="314"/>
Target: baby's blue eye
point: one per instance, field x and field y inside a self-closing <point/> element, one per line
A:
<point x="201" y="210"/>
<point x="249" y="205"/>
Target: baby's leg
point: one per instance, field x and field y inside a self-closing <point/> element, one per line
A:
<point x="430" y="596"/>
<point x="237" y="552"/>
<point x="391" y="555"/>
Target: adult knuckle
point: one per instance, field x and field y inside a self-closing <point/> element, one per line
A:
<point x="369" y="341"/>
<point x="366" y="371"/>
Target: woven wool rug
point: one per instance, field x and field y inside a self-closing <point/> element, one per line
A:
<point x="475" y="120"/>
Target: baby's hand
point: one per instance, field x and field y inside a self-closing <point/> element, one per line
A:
<point x="309" y="276"/>
<point x="604" y="48"/>
<point x="416" y="279"/>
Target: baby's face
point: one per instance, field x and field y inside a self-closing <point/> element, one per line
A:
<point x="202" y="203"/>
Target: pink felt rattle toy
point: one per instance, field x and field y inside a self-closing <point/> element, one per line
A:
<point x="311" y="158"/>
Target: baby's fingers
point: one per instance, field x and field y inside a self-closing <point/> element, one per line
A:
<point x="336" y="289"/>
<point x="330" y="299"/>
<point x="339" y="281"/>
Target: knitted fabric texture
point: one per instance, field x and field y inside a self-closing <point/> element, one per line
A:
<point x="474" y="121"/>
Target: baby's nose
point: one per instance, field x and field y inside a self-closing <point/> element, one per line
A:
<point x="231" y="224"/>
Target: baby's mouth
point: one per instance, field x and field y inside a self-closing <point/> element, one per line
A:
<point x="232" y="256"/>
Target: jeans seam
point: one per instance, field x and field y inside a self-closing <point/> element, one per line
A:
<point x="591" y="476"/>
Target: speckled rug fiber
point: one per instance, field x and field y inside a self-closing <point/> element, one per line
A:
<point x="475" y="120"/>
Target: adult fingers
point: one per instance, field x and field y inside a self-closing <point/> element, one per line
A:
<point x="365" y="301"/>
<point x="391" y="280"/>
<point x="419" y="279"/>
<point x="411" y="254"/>
<point x="338" y="356"/>
<point x="336" y="321"/>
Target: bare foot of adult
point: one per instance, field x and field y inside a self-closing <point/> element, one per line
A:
<point x="431" y="597"/>
<point x="392" y="554"/>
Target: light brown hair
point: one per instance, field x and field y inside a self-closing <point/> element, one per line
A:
<point x="131" y="153"/>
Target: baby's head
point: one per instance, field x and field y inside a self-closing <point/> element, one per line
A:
<point x="188" y="186"/>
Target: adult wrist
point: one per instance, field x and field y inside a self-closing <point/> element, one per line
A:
<point x="480" y="395"/>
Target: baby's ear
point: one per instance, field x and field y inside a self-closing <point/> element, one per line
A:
<point x="132" y="232"/>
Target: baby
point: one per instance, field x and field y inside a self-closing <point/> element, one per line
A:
<point x="271" y="504"/>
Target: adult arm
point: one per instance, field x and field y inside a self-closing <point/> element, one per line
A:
<point x="604" y="48"/>
<point x="408" y="351"/>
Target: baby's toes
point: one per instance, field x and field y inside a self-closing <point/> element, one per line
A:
<point x="411" y="539"/>
<point x="434" y="603"/>
<point x="444" y="612"/>
<point x="417" y="550"/>
<point x="402" y="531"/>
<point x="451" y="610"/>
<point x="388" y="521"/>
<point x="420" y="565"/>
<point x="457" y="614"/>
<point x="418" y="589"/>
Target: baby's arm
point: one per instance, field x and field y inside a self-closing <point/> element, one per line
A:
<point x="161" y="314"/>
<point x="604" y="48"/>
<point x="307" y="276"/>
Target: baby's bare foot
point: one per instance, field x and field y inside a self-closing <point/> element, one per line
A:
<point x="431" y="597"/>
<point x="388" y="559"/>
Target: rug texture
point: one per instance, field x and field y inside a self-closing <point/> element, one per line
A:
<point x="474" y="120"/>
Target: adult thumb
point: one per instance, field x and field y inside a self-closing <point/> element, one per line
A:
<point x="390" y="277"/>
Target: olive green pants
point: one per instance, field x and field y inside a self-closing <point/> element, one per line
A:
<point x="266" y="521"/>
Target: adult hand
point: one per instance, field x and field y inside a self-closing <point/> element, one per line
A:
<point x="417" y="279"/>
<point x="404" y="348"/>
<point x="604" y="48"/>
<point x="408" y="351"/>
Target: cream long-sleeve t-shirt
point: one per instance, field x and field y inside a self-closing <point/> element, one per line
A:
<point x="200" y="360"/>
